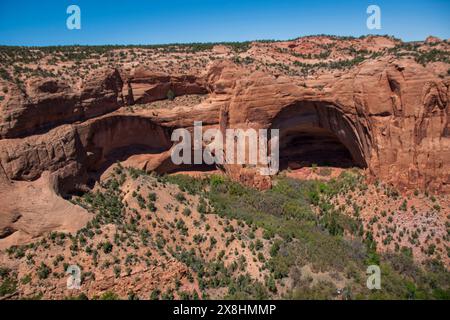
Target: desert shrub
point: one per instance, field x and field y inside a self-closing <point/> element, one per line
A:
<point x="186" y="211"/>
<point x="324" y="290"/>
<point x="186" y="183"/>
<point x="154" y="295"/>
<point x="404" y="205"/>
<point x="198" y="238"/>
<point x="81" y="296"/>
<point x="152" y="196"/>
<point x="43" y="271"/>
<point x="151" y="207"/>
<point x="109" y="295"/>
<point x="117" y="270"/>
<point x="8" y="284"/>
<point x="180" y="197"/>
<point x="170" y="95"/>
<point x="4" y="74"/>
<point x="202" y="206"/>
<point x="107" y="247"/>
<point x="26" y="279"/>
<point x="304" y="237"/>
<point x="244" y="288"/>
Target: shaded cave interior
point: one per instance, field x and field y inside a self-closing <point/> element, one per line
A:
<point x="117" y="139"/>
<point x="317" y="134"/>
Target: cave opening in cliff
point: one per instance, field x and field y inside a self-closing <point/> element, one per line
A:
<point x="317" y="134"/>
<point x="133" y="141"/>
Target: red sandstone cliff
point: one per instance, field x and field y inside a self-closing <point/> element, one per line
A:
<point x="391" y="113"/>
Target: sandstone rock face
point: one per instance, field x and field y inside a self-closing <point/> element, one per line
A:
<point x="30" y="209"/>
<point x="432" y="40"/>
<point x="101" y="93"/>
<point x="111" y="138"/>
<point x="27" y="158"/>
<point x="388" y="114"/>
<point x="146" y="86"/>
<point x="43" y="103"/>
<point x="46" y="103"/>
<point x="391" y="114"/>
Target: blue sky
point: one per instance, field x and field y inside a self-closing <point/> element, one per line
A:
<point x="33" y="22"/>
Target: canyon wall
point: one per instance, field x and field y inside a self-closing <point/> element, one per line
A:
<point x="392" y="114"/>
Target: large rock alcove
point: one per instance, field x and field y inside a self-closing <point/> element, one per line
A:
<point x="317" y="133"/>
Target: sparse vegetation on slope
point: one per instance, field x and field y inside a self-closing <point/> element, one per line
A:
<point x="327" y="241"/>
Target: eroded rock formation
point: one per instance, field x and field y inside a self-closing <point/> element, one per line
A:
<point x="387" y="114"/>
<point x="390" y="115"/>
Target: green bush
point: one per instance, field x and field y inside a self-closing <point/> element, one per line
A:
<point x="152" y="196"/>
<point x="170" y="95"/>
<point x="107" y="247"/>
<point x="109" y="295"/>
<point x="8" y="284"/>
<point x="43" y="271"/>
<point x="180" y="197"/>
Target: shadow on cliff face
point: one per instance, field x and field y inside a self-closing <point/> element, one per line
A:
<point x="311" y="133"/>
<point x="316" y="133"/>
<point x="135" y="141"/>
<point x="116" y="138"/>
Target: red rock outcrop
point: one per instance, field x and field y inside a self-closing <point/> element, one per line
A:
<point x="388" y="114"/>
<point x="145" y="86"/>
<point x="391" y="114"/>
<point x="46" y="103"/>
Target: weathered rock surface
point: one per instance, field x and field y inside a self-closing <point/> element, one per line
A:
<point x="145" y="86"/>
<point x="46" y="103"/>
<point x="30" y="209"/>
<point x="391" y="114"/>
<point x="388" y="114"/>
